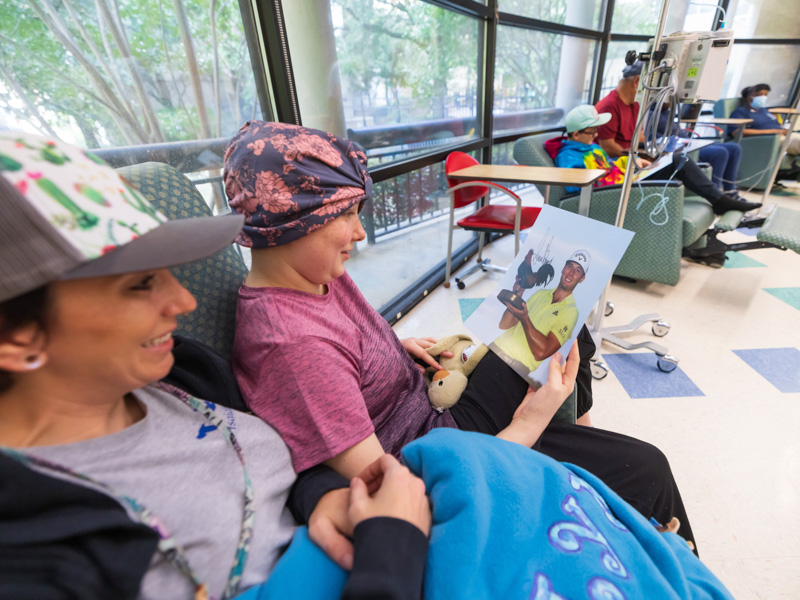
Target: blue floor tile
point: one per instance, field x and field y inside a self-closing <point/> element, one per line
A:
<point x="779" y="366"/>
<point x="468" y="306"/>
<point x="640" y="376"/>
<point x="789" y="295"/>
<point x="739" y="260"/>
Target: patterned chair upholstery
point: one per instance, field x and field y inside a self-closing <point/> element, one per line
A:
<point x="214" y="282"/>
<point x="655" y="252"/>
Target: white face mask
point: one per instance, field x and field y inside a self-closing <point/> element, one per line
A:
<point x="759" y="102"/>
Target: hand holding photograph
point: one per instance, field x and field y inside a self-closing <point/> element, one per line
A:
<point x="549" y="290"/>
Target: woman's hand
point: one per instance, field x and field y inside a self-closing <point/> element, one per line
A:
<point x="416" y="347"/>
<point x="330" y="528"/>
<point x="388" y="489"/>
<point x="643" y="163"/>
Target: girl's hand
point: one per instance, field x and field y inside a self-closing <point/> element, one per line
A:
<point x="400" y="494"/>
<point x="548" y="398"/>
<point x="416" y="348"/>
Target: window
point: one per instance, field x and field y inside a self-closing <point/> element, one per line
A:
<point x="538" y="77"/>
<point x="406" y="220"/>
<point x="633" y="16"/>
<point x="615" y="62"/>
<point x="763" y="19"/>
<point x="751" y="64"/>
<point x="576" y="13"/>
<point x="107" y="75"/>
<point x="398" y="76"/>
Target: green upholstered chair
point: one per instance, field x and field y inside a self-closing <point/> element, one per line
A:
<point x="655" y="252"/>
<point x="215" y="281"/>
<point x="758" y="151"/>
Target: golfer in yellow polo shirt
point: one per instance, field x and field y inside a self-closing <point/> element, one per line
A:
<point x="536" y="332"/>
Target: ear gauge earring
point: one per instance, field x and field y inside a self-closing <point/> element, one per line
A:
<point x="33" y="362"/>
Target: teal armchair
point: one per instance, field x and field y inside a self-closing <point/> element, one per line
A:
<point x="661" y="232"/>
<point x="758" y="151"/>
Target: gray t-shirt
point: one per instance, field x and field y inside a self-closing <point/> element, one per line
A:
<point x="182" y="469"/>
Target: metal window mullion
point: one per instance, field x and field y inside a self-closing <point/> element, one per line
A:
<point x="257" y="54"/>
<point x="604" y="43"/>
<point x="279" y="62"/>
<point x="489" y="53"/>
<point x="512" y="20"/>
<point x="464" y="7"/>
<point x="723" y="4"/>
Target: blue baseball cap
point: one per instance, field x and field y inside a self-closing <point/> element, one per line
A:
<point x="632" y="70"/>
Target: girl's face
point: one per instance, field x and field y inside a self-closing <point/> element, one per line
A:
<point x="115" y="330"/>
<point x="319" y="257"/>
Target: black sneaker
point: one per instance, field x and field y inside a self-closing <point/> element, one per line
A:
<point x="728" y="202"/>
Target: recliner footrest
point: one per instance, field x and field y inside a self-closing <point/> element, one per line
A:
<point x="730" y="220"/>
<point x="697" y="218"/>
<point x="782" y="228"/>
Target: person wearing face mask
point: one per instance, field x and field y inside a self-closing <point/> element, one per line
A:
<point x="616" y="134"/>
<point x="754" y="102"/>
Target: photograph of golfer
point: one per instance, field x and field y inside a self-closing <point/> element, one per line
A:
<point x="535" y="330"/>
<point x="549" y="290"/>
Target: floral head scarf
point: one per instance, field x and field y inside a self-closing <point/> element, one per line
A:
<point x="288" y="180"/>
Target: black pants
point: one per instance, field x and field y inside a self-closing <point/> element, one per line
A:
<point x="692" y="177"/>
<point x="637" y="471"/>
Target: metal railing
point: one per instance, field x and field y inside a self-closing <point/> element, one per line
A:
<point x="396" y="204"/>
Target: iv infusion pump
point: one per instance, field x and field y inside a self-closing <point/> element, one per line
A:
<point x="693" y="63"/>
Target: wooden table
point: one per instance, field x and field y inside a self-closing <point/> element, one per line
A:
<point x="547" y="176"/>
<point x="722" y="121"/>
<point x="784" y="111"/>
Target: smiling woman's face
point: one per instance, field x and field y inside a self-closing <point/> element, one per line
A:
<point x="115" y="330"/>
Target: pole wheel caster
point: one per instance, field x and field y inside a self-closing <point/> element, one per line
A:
<point x="460" y="284"/>
<point x="599" y="369"/>
<point x="609" y="309"/>
<point x="667" y="363"/>
<point x="660" y="328"/>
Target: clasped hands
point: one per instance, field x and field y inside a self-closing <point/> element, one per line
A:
<point x="384" y="489"/>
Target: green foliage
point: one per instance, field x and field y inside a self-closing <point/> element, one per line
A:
<point x="73" y="75"/>
<point x="406" y="50"/>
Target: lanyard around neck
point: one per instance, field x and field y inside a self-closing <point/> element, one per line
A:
<point x="167" y="545"/>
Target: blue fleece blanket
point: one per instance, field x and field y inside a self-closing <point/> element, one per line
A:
<point x="512" y="523"/>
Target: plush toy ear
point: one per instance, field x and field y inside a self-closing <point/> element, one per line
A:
<point x="446" y="343"/>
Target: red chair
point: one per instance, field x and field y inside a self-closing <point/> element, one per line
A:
<point x="487" y="219"/>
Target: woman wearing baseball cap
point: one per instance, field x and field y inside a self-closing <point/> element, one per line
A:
<point x="112" y="484"/>
<point x="317" y="362"/>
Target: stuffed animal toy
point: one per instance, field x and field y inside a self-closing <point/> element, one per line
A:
<point x="445" y="386"/>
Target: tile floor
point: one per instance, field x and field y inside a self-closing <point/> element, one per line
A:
<point x="729" y="419"/>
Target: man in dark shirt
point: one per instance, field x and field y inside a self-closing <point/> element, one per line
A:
<point x="615" y="138"/>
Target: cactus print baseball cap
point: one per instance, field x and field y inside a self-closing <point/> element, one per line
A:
<point x="65" y="214"/>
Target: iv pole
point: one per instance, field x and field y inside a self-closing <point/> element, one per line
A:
<point x="666" y="362"/>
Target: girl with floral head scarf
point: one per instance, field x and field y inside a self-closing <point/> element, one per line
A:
<point x="318" y="363"/>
